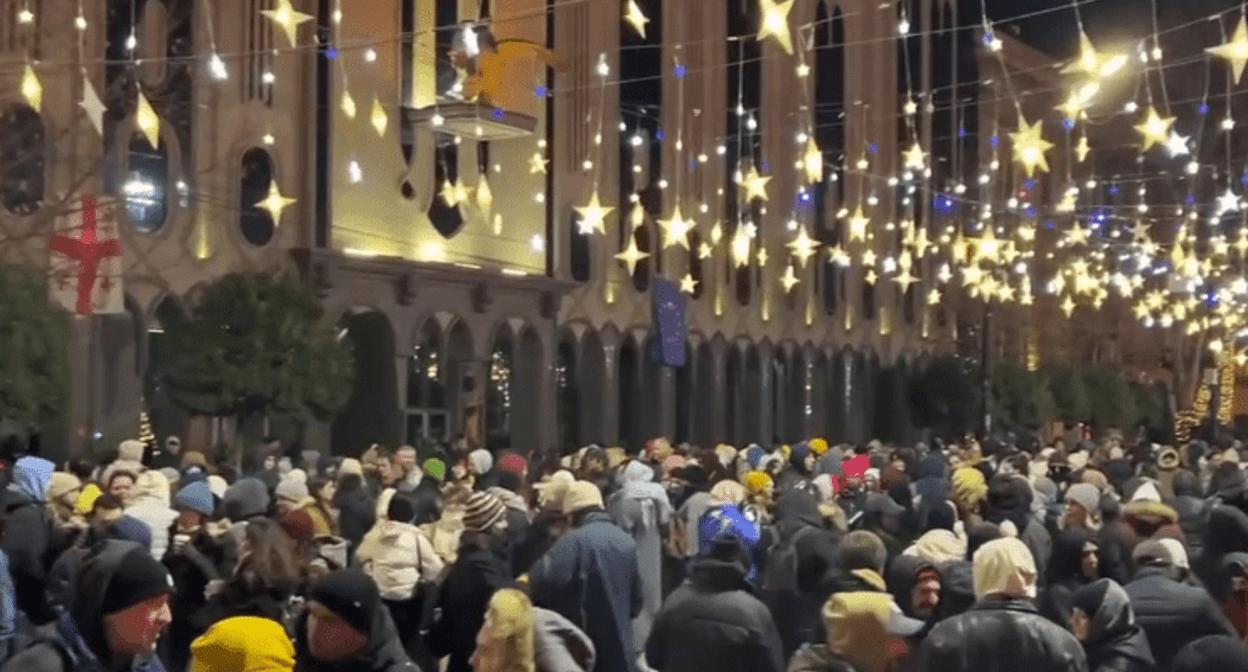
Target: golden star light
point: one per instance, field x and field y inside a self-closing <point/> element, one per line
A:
<point x="1155" y="129"/>
<point x="915" y="157"/>
<point x="840" y="257"/>
<point x="1068" y="306"/>
<point x="905" y="279"/>
<point x="485" y="197"/>
<point x="741" y="248"/>
<point x="1077" y="235"/>
<point x="705" y="251"/>
<point x="594" y="215"/>
<point x="775" y="23"/>
<point x="347" y="104"/>
<point x="675" y="230"/>
<point x="1088" y="62"/>
<point x="1235" y="52"/>
<point x="631" y="256"/>
<point x="289" y="20"/>
<point x="920" y="242"/>
<point x="717" y="233"/>
<point x="858" y="225"/>
<point x="933" y="297"/>
<point x="537" y="165"/>
<point x="755" y="185"/>
<point x="789" y="279"/>
<point x="635" y="18"/>
<point x="92" y="105"/>
<point x="870" y="277"/>
<point x="688" y="285"/>
<point x="812" y="161"/>
<point x="148" y="121"/>
<point x="379" y="118"/>
<point x="869" y="257"/>
<point x="275" y="203"/>
<point x="1082" y="149"/>
<point x="803" y="247"/>
<point x="32" y="90"/>
<point x="450" y="195"/>
<point x="762" y="257"/>
<point x="1030" y="146"/>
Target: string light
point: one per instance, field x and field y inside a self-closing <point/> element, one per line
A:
<point x="216" y="66"/>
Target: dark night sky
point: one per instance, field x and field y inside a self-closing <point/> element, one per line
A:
<point x="1105" y="20"/>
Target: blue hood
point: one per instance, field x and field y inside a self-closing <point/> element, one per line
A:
<point x="31" y="476"/>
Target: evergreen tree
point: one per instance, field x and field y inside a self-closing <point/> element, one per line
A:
<point x="34" y="337"/>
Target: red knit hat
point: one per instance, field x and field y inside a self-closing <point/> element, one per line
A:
<point x="299" y="525"/>
<point x="513" y="463"/>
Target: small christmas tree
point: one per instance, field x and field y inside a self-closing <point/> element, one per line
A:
<point x="146" y="435"/>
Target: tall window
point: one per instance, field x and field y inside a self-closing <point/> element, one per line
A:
<point x="640" y="64"/>
<point x="579" y="249"/>
<point x="255" y="223"/>
<point x="943" y="63"/>
<point x="444" y="208"/>
<point x="830" y="131"/>
<point x="23" y="158"/>
<point x="426" y="386"/>
<point x="146" y="185"/>
<point x="744" y="59"/>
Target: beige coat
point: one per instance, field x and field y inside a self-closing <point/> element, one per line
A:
<point x="398" y="556"/>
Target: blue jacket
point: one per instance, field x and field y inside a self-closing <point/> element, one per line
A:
<point x="591" y="578"/>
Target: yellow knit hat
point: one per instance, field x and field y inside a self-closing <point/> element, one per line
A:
<point x="820" y="446"/>
<point x="759" y="481"/>
<point x="86" y="500"/>
<point x="969" y="486"/>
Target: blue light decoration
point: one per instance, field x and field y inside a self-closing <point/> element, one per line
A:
<point x="541" y="91"/>
<point x="1069" y="124"/>
<point x="660" y="136"/>
<point x="1030" y="184"/>
<point x="804" y="197"/>
<point x="668" y="308"/>
<point x="1031" y="211"/>
<point x="681" y="71"/>
<point x="1050" y="225"/>
<point x="995" y="141"/>
<point x="1244" y="179"/>
<point x="693" y="164"/>
<point x="1114" y="190"/>
<point x="962" y="132"/>
<point x="1191" y="199"/>
<point x="1204" y="108"/>
<point x="1099" y="216"/>
<point x="498" y="114"/>
<point x="766" y="167"/>
<point x="988" y="38"/>
<point x="331" y="53"/>
<point x="874" y="147"/>
<point x="944" y="202"/>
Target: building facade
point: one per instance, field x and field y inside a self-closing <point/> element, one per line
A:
<point x="451" y="240"/>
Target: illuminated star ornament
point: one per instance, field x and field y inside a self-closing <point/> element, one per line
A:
<point x="741" y="248"/>
<point x="905" y="279"/>
<point x="380" y="120"/>
<point x="631" y="256"/>
<point x="915" y="157"/>
<point x="537" y="165"/>
<point x="812" y="161"/>
<point x="755" y="185"/>
<point x="1087" y="63"/>
<point x="789" y="279"/>
<point x="803" y="247"/>
<point x="675" y="230"/>
<point x="1155" y="129"/>
<point x="1177" y="144"/>
<point x="1235" y="52"/>
<point x="1082" y="149"/>
<point x="635" y="18"/>
<point x="275" y="203"/>
<point x="1030" y="146"/>
<point x="32" y="90"/>
<point x="92" y="105"/>
<point x="688" y="285"/>
<point x="285" y="16"/>
<point x="147" y="121"/>
<point x="347" y="104"/>
<point x="775" y="23"/>
<point x="594" y="216"/>
<point x="858" y="225"/>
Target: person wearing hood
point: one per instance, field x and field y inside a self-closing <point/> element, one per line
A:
<point x="27" y="534"/>
<point x="1172" y="613"/>
<point x="150" y="504"/>
<point x="591" y="577"/>
<point x="1003" y="628"/>
<point x="1103" y="621"/>
<point x="882" y="516"/>
<point x="62" y="582"/>
<point x="795" y="600"/>
<point x="1190" y="506"/>
<point x="713" y="621"/>
<point x="915" y="585"/>
<point x="120" y="610"/>
<point x="356" y="515"/>
<point x="63" y="494"/>
<point x="243" y="644"/>
<point x="1148" y="518"/>
<point x="427" y="497"/>
<point x="641" y="508"/>
<point x="1074" y="564"/>
<point x="346" y="628"/>
<point x="866" y="632"/>
<point x="1009" y="499"/>
<point x="801" y="470"/>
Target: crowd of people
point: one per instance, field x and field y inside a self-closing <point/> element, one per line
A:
<point x="1097" y="556"/>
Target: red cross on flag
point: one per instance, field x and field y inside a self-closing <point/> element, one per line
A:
<point x="86" y="261"/>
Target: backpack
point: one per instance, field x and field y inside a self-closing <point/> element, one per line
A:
<point x="780" y="571"/>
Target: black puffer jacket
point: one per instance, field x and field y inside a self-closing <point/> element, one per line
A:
<point x="1191" y="508"/>
<point x="356" y="514"/>
<point x="714" y="622"/>
<point x="1225" y="532"/>
<point x="1173" y="614"/>
<point x="818" y="564"/>
<point x="1065" y="576"/>
<point x="1114" y="641"/>
<point x="463" y="597"/>
<point x="1212" y="654"/>
<point x="1005" y="635"/>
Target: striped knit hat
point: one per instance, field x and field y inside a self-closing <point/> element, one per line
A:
<point x="483" y="511"/>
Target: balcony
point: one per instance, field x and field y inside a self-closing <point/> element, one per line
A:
<point x="467" y="120"/>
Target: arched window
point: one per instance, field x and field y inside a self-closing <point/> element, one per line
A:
<point x="427" y="378"/>
<point x="830" y="131"/>
<point x="578" y="249"/>
<point x="640" y="61"/>
<point x="444" y="208"/>
<point x="742" y="144"/>
<point x="255" y="223"/>
<point x="146" y="185"/>
<point x="23" y="158"/>
<point x="500" y="390"/>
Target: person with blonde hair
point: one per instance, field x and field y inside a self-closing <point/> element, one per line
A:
<point x="506" y="640"/>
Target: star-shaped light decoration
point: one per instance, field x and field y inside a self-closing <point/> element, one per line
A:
<point x="1082" y="149"/>
<point x="379" y="119"/>
<point x="485" y="197"/>
<point x="858" y="224"/>
<point x="741" y="248"/>
<point x="1155" y="129"/>
<point x="675" y="230"/>
<point x="905" y="279"/>
<point x="1068" y="306"/>
<point x="1228" y="202"/>
<point x="910" y="107"/>
<point x="688" y="285"/>
<point x="789" y="279"/>
<point x="347" y="104"/>
<point x="275" y="203"/>
<point x="870" y="277"/>
<point x="803" y="247"/>
<point x="868" y="257"/>
<point x="755" y="184"/>
<point x="915" y="157"/>
<point x="812" y="161"/>
<point x="705" y="251"/>
<point x="1177" y="144"/>
<point x="944" y="275"/>
<point x="636" y="18"/>
<point x="1235" y="52"/>
<point x="1077" y="235"/>
<point x="594" y="215"/>
<point x="920" y="242"/>
<point x="1030" y="146"/>
<point x="717" y="233"/>
<point x="840" y="257"/>
<point x="285" y="16"/>
<point x="1088" y="62"/>
<point x="450" y="195"/>
<point x="763" y="257"/>
<point x="32" y="90"/>
<point x="148" y="122"/>
<point x="92" y="105"/>
<point x="775" y="23"/>
<point x="933" y="297"/>
<point x="537" y="164"/>
<point x="632" y="255"/>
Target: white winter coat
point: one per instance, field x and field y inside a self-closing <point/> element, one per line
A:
<point x="398" y="556"/>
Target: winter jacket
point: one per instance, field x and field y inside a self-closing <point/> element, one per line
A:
<point x="818" y="570"/>
<point x="537" y="540"/>
<point x="1115" y="642"/>
<point x="1065" y="576"/>
<point x="714" y="622"/>
<point x="817" y="658"/>
<point x="957" y="589"/>
<point x="560" y="646"/>
<point x="355" y="511"/>
<point x="78" y="642"/>
<point x="1226" y="532"/>
<point x="427" y="500"/>
<point x="397" y="556"/>
<point x="1190" y="506"/>
<point x="206" y="558"/>
<point x="1212" y="654"/>
<point x="383" y="653"/>
<point x="1172" y="613"/>
<point x="903" y="572"/>
<point x="8" y="611"/>
<point x="1001" y="635"/>
<point x="1010" y="498"/>
<point x="463" y="598"/>
<point x="591" y="577"/>
<point x="27" y="535"/>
